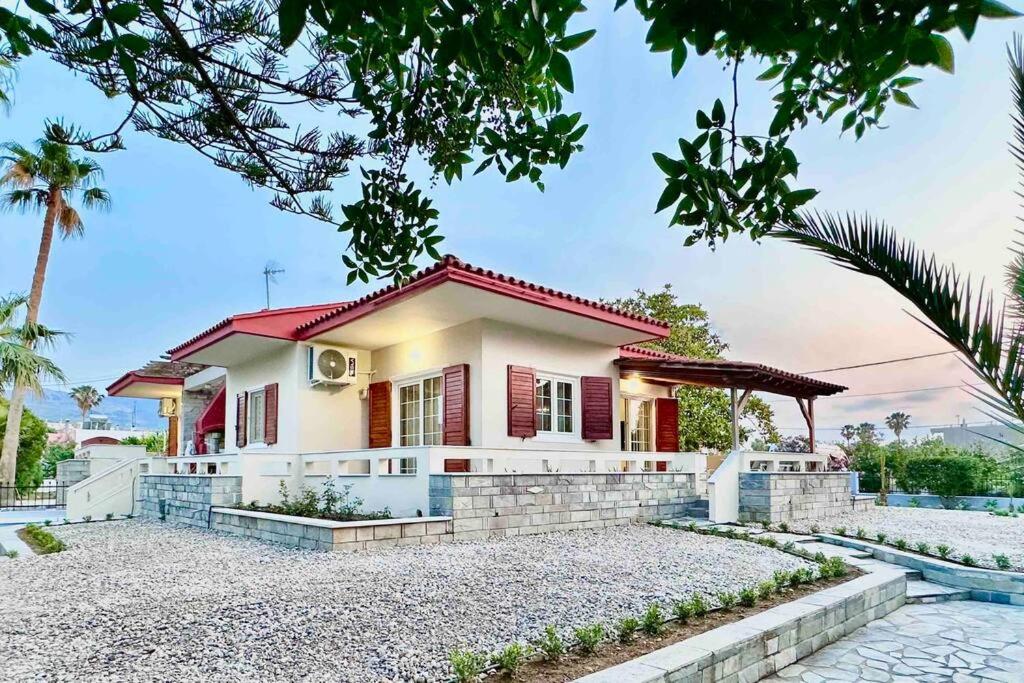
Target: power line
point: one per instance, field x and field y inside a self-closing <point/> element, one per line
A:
<point x="880" y="362"/>
<point x="78" y="381"/>
<point x="890" y="393"/>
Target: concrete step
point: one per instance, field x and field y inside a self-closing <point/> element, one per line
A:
<point x="927" y="592"/>
<point x="699" y="503"/>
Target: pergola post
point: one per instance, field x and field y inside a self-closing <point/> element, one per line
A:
<point x="807" y="408"/>
<point x="738" y="404"/>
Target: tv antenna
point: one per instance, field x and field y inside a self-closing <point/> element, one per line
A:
<point x="270" y="271"/>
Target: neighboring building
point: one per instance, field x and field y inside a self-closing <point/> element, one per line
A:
<point x="458" y="370"/>
<point x="980" y="436"/>
<point x="95" y="427"/>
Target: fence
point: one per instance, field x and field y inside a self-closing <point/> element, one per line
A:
<point x="45" y="496"/>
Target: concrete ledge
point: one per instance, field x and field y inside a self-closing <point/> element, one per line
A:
<point x="328" y="523"/>
<point x="985" y="585"/>
<point x="758" y="646"/>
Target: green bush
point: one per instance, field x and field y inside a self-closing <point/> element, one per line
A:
<point x="28" y="472"/>
<point x="329" y="504"/>
<point x="652" y="620"/>
<point x="626" y="629"/>
<point x="551" y="644"/>
<point x="698" y="606"/>
<point x="943" y="550"/>
<point x="589" y="637"/>
<point x="748" y="597"/>
<point x="42" y="541"/>
<point x="1002" y="561"/>
<point x="727" y="599"/>
<point x="466" y="665"/>
<point x="765" y="589"/>
<point x="511" y="657"/>
<point x="682" y="610"/>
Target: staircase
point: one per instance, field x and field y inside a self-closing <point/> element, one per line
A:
<point x="697" y="509"/>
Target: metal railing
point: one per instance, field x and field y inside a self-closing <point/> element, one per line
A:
<point x="45" y="496"/>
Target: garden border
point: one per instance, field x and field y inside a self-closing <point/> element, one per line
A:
<point x="985" y="585"/>
<point x="765" y="643"/>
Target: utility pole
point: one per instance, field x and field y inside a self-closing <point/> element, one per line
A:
<point x="269" y="272"/>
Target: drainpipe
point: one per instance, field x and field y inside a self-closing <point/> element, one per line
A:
<point x="735" y="419"/>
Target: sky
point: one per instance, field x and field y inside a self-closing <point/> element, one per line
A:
<point x="185" y="243"/>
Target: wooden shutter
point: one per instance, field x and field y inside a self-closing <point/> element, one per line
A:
<point x="380" y="415"/>
<point x="456" y="405"/>
<point x="240" y="431"/>
<point x="666" y="425"/>
<point x="456" y="465"/>
<point x="270" y="414"/>
<point x="521" y="392"/>
<point x="597" y="407"/>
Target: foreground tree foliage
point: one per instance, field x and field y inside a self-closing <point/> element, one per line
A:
<point x="290" y="94"/>
<point x="704" y="412"/>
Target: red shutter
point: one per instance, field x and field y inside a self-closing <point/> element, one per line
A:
<point x="380" y="415"/>
<point x="456" y="406"/>
<point x="597" y="407"/>
<point x="270" y="414"/>
<point x="240" y="431"/>
<point x="457" y="465"/>
<point x="521" y="391"/>
<point x="666" y="425"/>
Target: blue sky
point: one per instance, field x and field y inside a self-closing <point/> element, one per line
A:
<point x="185" y="243"/>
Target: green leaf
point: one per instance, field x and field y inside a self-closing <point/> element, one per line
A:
<point x="669" y="196"/>
<point x="772" y="72"/>
<point x="574" y="41"/>
<point x="671" y="167"/>
<point x="967" y="20"/>
<point x="718" y="113"/>
<point x="849" y="120"/>
<point x="101" y="52"/>
<point x="703" y="121"/>
<point x="127" y="65"/>
<point x="137" y="45"/>
<point x="94" y="28"/>
<point x="449" y="48"/>
<point x="41" y="6"/>
<point x="561" y="70"/>
<point x="797" y="197"/>
<point x="996" y="10"/>
<point x="678" y="58"/>
<point x="904" y="82"/>
<point x="81" y="7"/>
<point x="903" y="98"/>
<point x="945" y="52"/>
<point x="291" y="17"/>
<point x="124" y="13"/>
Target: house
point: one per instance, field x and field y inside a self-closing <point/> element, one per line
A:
<point x="458" y="370"/>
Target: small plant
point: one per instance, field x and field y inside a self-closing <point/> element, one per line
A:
<point x="727" y="599"/>
<point x="834" y="567"/>
<point x="511" y="658"/>
<point x="767" y="526"/>
<point x="42" y="541"/>
<point x="12" y="554"/>
<point x="820" y="557"/>
<point x="692" y="526"/>
<point x="991" y="504"/>
<point x="962" y="505"/>
<point x="784" y="527"/>
<point x="789" y="546"/>
<point x="768" y="542"/>
<point x="698" y="606"/>
<point x="729" y="533"/>
<point x="914" y="503"/>
<point x="748" y="597"/>
<point x="765" y="589"/>
<point x="466" y="665"/>
<point x="682" y="610"/>
<point x="781" y="579"/>
<point x="900" y="544"/>
<point x="653" y="619"/>
<point x="839" y="530"/>
<point x="129" y="516"/>
<point x="589" y="637"/>
<point x="968" y="560"/>
<point x="1002" y="561"/>
<point x="626" y="629"/>
<point x="815" y="529"/>
<point x="66" y="521"/>
<point x="86" y="518"/>
<point x="550" y="644"/>
<point x="110" y="516"/>
<point x="861" y="534"/>
<point x="943" y="550"/>
<point x="880" y="537"/>
<point x="922" y="548"/>
<point x="47" y="522"/>
<point x="800" y="576"/>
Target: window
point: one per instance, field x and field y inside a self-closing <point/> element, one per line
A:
<point x="554" y="405"/>
<point x="419" y="413"/>
<point x="256" y="420"/>
<point x="637" y="423"/>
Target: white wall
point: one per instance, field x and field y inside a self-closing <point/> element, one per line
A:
<point x="283" y="367"/>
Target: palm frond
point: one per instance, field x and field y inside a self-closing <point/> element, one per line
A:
<point x="70" y="222"/>
<point x="96" y="198"/>
<point x="22" y="200"/>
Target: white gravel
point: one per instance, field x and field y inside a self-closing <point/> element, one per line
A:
<point x="138" y="600"/>
<point x="978" y="534"/>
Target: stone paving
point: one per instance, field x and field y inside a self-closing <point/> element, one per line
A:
<point x="962" y="642"/>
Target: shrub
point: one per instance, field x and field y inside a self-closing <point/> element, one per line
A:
<point x="834" y="567"/>
<point x="726" y="599"/>
<point x="1002" y="561"/>
<point x="86" y="518"/>
<point x="627" y="628"/>
<point x="781" y="579"/>
<point x="47" y="522"/>
<point x="880" y="537"/>
<point x="589" y="637"/>
<point x="968" y="560"/>
<point x="789" y="546"/>
<point x="962" y="505"/>
<point x="110" y="516"/>
<point x="861" y="534"/>
<point x="511" y="658"/>
<point x="692" y="526"/>
<point x="768" y="542"/>
<point x="820" y="557"/>
<point x="698" y="606"/>
<point x="43" y="541"/>
<point x="767" y="526"/>
<point x="923" y="548"/>
<point x="12" y="554"/>
<point x="550" y="644"/>
<point x="652" y="620"/>
<point x="839" y="530"/>
<point x="682" y="610"/>
<point x="466" y="665"/>
<point x="765" y="589"/>
<point x="914" y="503"/>
<point x="748" y="597"/>
<point x="900" y="544"/>
<point x="943" y="550"/>
<point x="784" y="527"/>
<point x="815" y="529"/>
<point x="799" y="576"/>
<point x="991" y="504"/>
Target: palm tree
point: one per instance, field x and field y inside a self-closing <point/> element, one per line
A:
<point x="44" y="181"/>
<point x="848" y="432"/>
<point x="897" y="422"/>
<point x="20" y="364"/>
<point x="86" y="398"/>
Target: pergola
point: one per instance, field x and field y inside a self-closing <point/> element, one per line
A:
<point x="740" y="378"/>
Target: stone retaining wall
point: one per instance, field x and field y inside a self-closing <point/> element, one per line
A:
<point x="758" y="646"/>
<point x="793" y="496"/>
<point x="186" y="498"/>
<point x="498" y="505"/>
<point x="321" y="534"/>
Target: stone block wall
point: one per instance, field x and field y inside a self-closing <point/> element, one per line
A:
<point x="499" y="505"/>
<point x="793" y="496"/>
<point x="319" y="534"/>
<point x="186" y="499"/>
<point x="72" y="471"/>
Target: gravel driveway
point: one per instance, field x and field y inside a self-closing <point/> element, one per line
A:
<point x="139" y="600"/>
<point x="979" y="534"/>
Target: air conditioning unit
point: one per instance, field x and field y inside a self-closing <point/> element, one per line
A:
<point x="330" y="365"/>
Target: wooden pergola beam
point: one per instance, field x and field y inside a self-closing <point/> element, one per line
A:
<point x="807" y="408"/>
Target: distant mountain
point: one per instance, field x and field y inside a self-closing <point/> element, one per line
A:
<point x="57" y="406"/>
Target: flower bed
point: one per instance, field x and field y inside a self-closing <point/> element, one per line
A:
<point x="329" y="504"/>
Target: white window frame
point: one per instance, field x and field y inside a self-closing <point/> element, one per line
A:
<point x="250" y="424"/>
<point x="651" y="427"/>
<point x="397" y="383"/>
<point x="577" y="405"/>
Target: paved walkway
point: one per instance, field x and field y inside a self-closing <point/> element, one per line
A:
<point x="13" y="519"/>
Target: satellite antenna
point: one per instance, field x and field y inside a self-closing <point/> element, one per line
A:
<point x="270" y="272"/>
